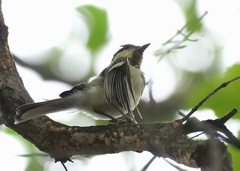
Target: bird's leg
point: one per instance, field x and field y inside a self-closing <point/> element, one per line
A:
<point x="128" y="118"/>
<point x="132" y="117"/>
<point x="113" y="120"/>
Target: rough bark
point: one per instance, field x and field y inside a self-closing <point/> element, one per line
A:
<point x="62" y="142"/>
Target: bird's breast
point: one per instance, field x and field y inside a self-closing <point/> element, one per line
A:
<point x="138" y="82"/>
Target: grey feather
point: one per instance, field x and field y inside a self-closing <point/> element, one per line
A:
<point x="35" y="110"/>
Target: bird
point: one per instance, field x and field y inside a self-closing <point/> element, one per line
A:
<point x="115" y="92"/>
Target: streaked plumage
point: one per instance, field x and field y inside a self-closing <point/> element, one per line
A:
<point x="115" y="92"/>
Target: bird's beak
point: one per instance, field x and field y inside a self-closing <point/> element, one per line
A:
<point x="144" y="47"/>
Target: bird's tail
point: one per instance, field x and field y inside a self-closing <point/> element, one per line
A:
<point x="34" y="110"/>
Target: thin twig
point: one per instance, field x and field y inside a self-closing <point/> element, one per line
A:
<point x="181" y="114"/>
<point x="62" y="161"/>
<point x="178" y="43"/>
<point x="64" y="166"/>
<point x="226" y="117"/>
<point x="174" y="165"/>
<point x="148" y="163"/>
<point x="194" y="109"/>
<point x="196" y="135"/>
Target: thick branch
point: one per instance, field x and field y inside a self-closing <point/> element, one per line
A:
<point x="61" y="141"/>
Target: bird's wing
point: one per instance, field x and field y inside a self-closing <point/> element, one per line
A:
<point x="117" y="84"/>
<point x="76" y="88"/>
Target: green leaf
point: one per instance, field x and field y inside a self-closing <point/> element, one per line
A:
<point x="224" y="100"/>
<point x="193" y="24"/>
<point x="34" y="165"/>
<point x="181" y="47"/>
<point x="10" y="132"/>
<point x="97" y="23"/>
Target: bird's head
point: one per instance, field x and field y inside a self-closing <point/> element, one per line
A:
<point x="132" y="52"/>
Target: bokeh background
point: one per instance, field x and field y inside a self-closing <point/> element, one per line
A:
<point x="58" y="43"/>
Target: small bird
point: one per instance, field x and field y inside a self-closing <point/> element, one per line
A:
<point x="115" y="92"/>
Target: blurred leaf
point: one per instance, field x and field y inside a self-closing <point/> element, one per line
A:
<point x="34" y="165"/>
<point x="189" y="9"/>
<point x="235" y="156"/>
<point x="10" y="132"/>
<point x="34" y="155"/>
<point x="181" y="47"/>
<point x="224" y="100"/>
<point x="193" y="24"/>
<point x="21" y="140"/>
<point x="55" y="53"/>
<point x="97" y="22"/>
<point x="53" y="62"/>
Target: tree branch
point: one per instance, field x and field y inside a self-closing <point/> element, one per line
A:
<point x="62" y="142"/>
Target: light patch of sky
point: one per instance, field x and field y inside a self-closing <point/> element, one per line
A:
<point x="10" y="147"/>
<point x="35" y="26"/>
<point x="40" y="90"/>
<point x="223" y="21"/>
<point x="69" y="70"/>
<point x="202" y="58"/>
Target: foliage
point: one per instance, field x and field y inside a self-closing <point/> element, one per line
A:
<point x="97" y="22"/>
<point x="224" y="100"/>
